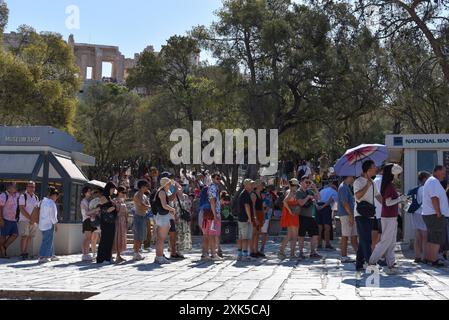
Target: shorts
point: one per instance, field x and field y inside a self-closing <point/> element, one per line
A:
<point x="10" y="228"/>
<point x="27" y="229"/>
<point x="162" y="221"/>
<point x="418" y="222"/>
<point x="245" y="231"/>
<point x="139" y="228"/>
<point x="346" y="229"/>
<point x="88" y="226"/>
<point x="172" y="226"/>
<point x="436" y="229"/>
<point x="211" y="228"/>
<point x="376" y="225"/>
<point x="324" y="217"/>
<point x="308" y="225"/>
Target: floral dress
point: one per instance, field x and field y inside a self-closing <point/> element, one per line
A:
<point x="183" y="232"/>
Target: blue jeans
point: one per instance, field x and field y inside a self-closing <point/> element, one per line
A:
<point x="364" y="251"/>
<point x="47" y="249"/>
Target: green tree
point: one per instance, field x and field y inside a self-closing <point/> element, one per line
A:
<point x="48" y="72"/>
<point x="428" y="17"/>
<point x="106" y="124"/>
<point x="419" y="97"/>
<point x="4" y="13"/>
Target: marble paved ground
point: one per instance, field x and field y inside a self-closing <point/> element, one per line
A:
<point x="228" y="280"/>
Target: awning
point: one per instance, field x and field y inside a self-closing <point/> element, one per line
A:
<point x="96" y="183"/>
<point x="71" y="169"/>
<point x="18" y="163"/>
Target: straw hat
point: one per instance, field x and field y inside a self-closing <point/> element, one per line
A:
<point x="247" y="182"/>
<point x="294" y="182"/>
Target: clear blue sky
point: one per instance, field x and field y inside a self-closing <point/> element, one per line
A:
<point x="131" y="24"/>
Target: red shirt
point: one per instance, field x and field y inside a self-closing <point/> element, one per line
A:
<point x="390" y="212"/>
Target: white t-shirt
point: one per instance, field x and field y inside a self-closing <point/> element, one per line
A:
<point x="48" y="214"/>
<point x="433" y="188"/>
<point x="378" y="183"/>
<point x="31" y="203"/>
<point x="359" y="184"/>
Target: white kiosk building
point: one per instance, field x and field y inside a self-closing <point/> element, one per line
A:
<point x="417" y="153"/>
<point x="49" y="157"/>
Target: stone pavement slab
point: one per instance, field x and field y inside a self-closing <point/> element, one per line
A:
<point x="191" y="279"/>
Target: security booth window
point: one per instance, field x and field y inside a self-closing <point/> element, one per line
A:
<point x="75" y="202"/>
<point x="427" y="160"/>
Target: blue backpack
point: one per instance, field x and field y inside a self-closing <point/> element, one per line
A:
<point x="415" y="204"/>
<point x="204" y="199"/>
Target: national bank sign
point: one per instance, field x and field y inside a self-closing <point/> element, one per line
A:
<point x="418" y="141"/>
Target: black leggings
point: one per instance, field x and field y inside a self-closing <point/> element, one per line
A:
<point x="106" y="242"/>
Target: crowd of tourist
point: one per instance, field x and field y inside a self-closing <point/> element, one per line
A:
<point x="167" y="206"/>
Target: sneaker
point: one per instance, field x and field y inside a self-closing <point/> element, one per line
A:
<point x="87" y="257"/>
<point x="261" y="255"/>
<point x="302" y="256"/>
<point x="346" y="260"/>
<point x="374" y="267"/>
<point x="220" y="253"/>
<point x="138" y="257"/>
<point x="43" y="260"/>
<point x="24" y="256"/>
<point x="161" y="260"/>
<point x="216" y="258"/>
<point x="418" y="260"/>
<point x="239" y="258"/>
<point x="254" y="255"/>
<point x="315" y="256"/>
<point x="282" y="256"/>
<point x="54" y="258"/>
<point x="330" y="248"/>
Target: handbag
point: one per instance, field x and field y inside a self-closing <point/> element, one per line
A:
<point x="366" y="209"/>
<point x="185" y="215"/>
<point x="108" y="217"/>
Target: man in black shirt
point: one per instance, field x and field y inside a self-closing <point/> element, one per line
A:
<point x="245" y="215"/>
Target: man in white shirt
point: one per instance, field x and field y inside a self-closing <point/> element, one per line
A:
<point x="365" y="190"/>
<point x="48" y="225"/>
<point x="27" y="229"/>
<point x="435" y="209"/>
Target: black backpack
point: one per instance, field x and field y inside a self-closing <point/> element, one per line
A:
<point x="18" y="208"/>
